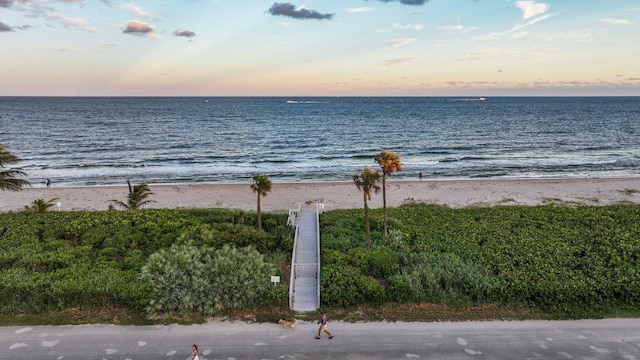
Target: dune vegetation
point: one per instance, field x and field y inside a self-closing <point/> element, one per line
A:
<point x="437" y="263"/>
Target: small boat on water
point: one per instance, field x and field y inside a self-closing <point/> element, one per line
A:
<point x="482" y="98"/>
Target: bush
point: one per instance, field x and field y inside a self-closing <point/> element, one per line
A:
<point x="570" y="261"/>
<point x="92" y="259"/>
<point x="347" y="286"/>
<point x="239" y="235"/>
<point x="188" y="279"/>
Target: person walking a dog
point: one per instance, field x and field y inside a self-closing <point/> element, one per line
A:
<point x="323" y="326"/>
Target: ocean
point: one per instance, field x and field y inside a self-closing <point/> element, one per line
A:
<point x="83" y="141"/>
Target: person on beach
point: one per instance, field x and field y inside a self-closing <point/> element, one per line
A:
<point x="323" y="326"/>
<point x="195" y="352"/>
<point x="420" y="175"/>
<point x="48" y="182"/>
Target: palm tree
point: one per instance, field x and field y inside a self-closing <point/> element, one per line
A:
<point x="137" y="197"/>
<point x="261" y="185"/>
<point x="389" y="163"/>
<point x="9" y="178"/>
<point x="42" y="206"/>
<point x="367" y="182"/>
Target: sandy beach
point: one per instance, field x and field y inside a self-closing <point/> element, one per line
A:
<point x="343" y="195"/>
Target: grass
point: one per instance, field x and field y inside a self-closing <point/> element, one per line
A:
<point x="76" y="316"/>
<point x="390" y="313"/>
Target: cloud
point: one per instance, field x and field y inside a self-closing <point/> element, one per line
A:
<point x="402" y="42"/>
<point x="413" y="27"/>
<point x="358" y="10"/>
<point x="4" y="27"/>
<point x="531" y="8"/>
<point x="616" y="22"/>
<point x="413" y="2"/>
<point x="392" y="62"/>
<point x="407" y="2"/>
<point x="184" y="33"/>
<point x="532" y="13"/>
<point x="66" y="49"/>
<point x="288" y="9"/>
<point x="448" y="29"/>
<point x="138" y="28"/>
<point x="71" y="22"/>
<point x="133" y="9"/>
<point x="40" y="9"/>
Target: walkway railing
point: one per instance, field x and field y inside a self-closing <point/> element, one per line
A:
<point x="305" y="270"/>
<point x="293" y="220"/>
<point x="294" y="216"/>
<point x="319" y="209"/>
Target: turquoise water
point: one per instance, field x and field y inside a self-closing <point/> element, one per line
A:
<point x="100" y="141"/>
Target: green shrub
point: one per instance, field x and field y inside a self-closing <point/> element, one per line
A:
<point x="383" y="262"/>
<point x="92" y="259"/>
<point x="403" y="288"/>
<point x="217" y="235"/>
<point x="347" y="286"/>
<point x="570" y="261"/>
<point x="188" y="279"/>
<point x="274" y="296"/>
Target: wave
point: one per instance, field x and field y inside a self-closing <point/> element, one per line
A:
<point x="182" y="140"/>
<point x="464" y="158"/>
<point x="302" y="102"/>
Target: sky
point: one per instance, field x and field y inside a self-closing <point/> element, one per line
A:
<point x="319" y="48"/>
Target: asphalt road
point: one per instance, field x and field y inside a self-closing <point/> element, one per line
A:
<point x="583" y="339"/>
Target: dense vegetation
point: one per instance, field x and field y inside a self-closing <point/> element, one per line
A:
<point x="567" y="261"/>
<point x="58" y="260"/>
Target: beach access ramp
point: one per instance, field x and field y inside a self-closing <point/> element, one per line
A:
<point x="304" y="284"/>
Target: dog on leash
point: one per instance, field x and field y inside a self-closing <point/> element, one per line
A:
<point x="288" y="324"/>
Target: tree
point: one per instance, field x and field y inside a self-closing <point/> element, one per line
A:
<point x="367" y="181"/>
<point x="9" y="178"/>
<point x="389" y="163"/>
<point x="137" y="197"/>
<point x="42" y="206"/>
<point x="261" y="185"/>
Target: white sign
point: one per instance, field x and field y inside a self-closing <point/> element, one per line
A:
<point x="275" y="279"/>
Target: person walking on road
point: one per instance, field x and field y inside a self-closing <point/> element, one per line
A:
<point x="323" y="326"/>
<point x="195" y="352"/>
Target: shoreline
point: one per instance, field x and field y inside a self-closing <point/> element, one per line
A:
<point x="344" y="194"/>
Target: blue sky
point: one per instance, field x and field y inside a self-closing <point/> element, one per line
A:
<point x="319" y="47"/>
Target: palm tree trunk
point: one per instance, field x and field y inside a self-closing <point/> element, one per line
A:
<point x="259" y="214"/>
<point x="366" y="221"/>
<point x="384" y="202"/>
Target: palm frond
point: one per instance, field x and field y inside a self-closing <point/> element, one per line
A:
<point x="9" y="178"/>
